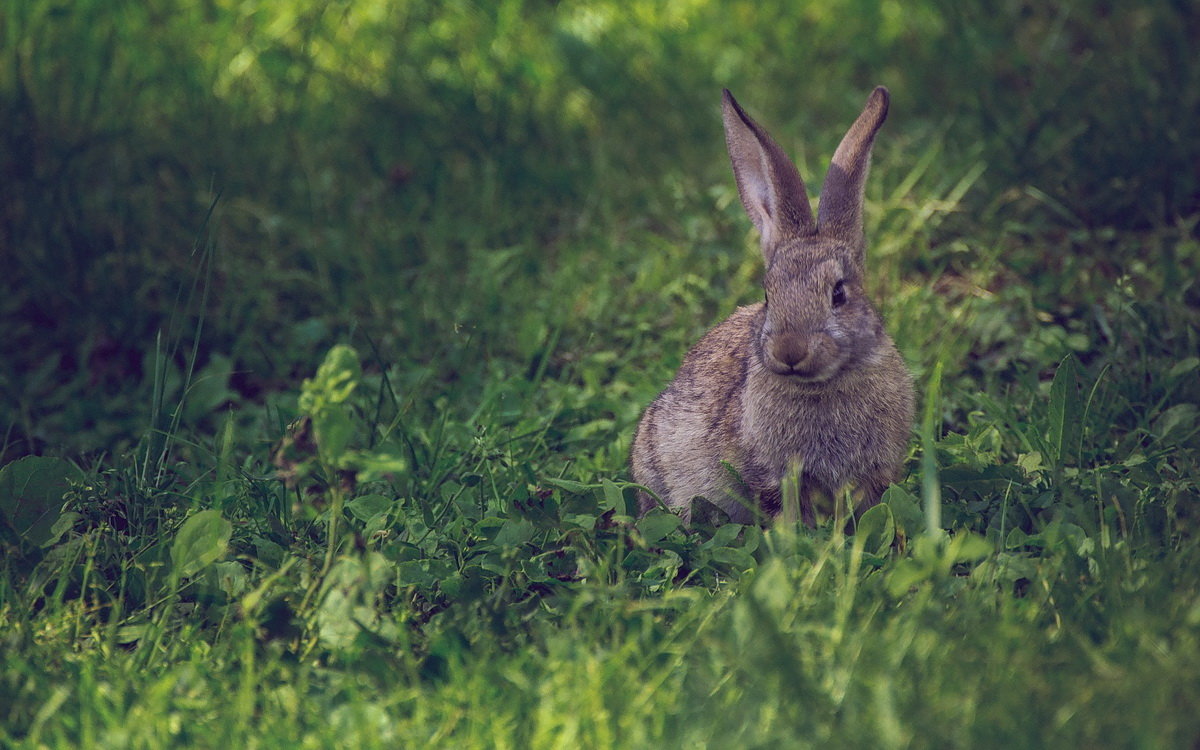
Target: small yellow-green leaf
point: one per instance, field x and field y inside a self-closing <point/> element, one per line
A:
<point x="336" y="379"/>
<point x="1030" y="463"/>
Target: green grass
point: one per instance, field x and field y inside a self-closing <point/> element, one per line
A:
<point x="326" y="332"/>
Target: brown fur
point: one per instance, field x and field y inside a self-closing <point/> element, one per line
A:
<point x="806" y="380"/>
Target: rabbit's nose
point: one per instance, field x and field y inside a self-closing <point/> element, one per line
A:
<point x="789" y="350"/>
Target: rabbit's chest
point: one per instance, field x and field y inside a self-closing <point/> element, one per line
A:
<point x="826" y="439"/>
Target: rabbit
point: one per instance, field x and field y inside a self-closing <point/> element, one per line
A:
<point x="806" y="380"/>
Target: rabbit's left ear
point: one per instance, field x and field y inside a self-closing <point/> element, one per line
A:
<point x="840" y="213"/>
<point x="768" y="183"/>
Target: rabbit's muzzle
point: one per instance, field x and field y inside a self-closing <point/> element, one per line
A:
<point x="809" y="357"/>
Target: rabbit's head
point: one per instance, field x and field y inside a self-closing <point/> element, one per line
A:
<point x="817" y="320"/>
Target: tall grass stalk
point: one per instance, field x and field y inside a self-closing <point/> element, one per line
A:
<point x="931" y="486"/>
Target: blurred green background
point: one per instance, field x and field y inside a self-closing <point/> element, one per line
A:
<point x="515" y="186"/>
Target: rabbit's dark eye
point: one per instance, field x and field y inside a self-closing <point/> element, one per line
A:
<point x="839" y="294"/>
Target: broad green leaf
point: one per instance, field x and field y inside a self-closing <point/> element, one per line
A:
<point x="577" y="488"/>
<point x="705" y="513"/>
<point x="514" y="533"/>
<point x="201" y="541"/>
<point x="1184" y="367"/>
<point x="375" y="465"/>
<point x="66" y="521"/>
<point x="133" y="633"/>
<point x="1069" y="535"/>
<point x="990" y="481"/>
<point x="535" y="570"/>
<point x="905" y="575"/>
<point x="1180" y="417"/>
<point x="877" y="529"/>
<point x="1065" y="412"/>
<point x="735" y="556"/>
<point x="422" y="573"/>
<point x="584" y="521"/>
<point x="31" y="495"/>
<point x="369" y="506"/>
<point x="470" y="479"/>
<point x="209" y="388"/>
<point x="614" y="499"/>
<point x="772" y="587"/>
<point x="906" y="509"/>
<point x="228" y="577"/>
<point x="1015" y="539"/>
<point x="724" y="535"/>
<point x="665" y="566"/>
<point x="656" y="525"/>
<point x="967" y="547"/>
<point x="348" y="603"/>
<point x="333" y="429"/>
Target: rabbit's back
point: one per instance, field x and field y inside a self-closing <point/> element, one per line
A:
<point x="691" y="428"/>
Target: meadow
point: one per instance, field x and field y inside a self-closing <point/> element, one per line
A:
<point x="326" y="328"/>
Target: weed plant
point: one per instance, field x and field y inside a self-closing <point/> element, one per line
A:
<point x="326" y="328"/>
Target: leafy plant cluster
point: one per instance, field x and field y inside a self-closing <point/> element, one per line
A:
<point x="395" y="550"/>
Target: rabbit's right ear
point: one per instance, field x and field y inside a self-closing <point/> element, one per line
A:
<point x="770" y="186"/>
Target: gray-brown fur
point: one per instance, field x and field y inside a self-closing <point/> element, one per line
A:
<point x="807" y="378"/>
